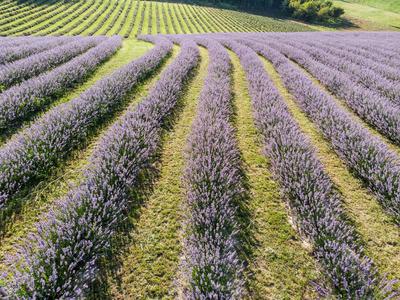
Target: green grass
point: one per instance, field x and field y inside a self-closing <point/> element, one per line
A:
<point x="55" y="18"/>
<point x="370" y="18"/>
<point x="377" y="231"/>
<point x="281" y="265"/>
<point x="390" y="5"/>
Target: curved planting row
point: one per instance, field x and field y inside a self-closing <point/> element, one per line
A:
<point x="375" y="110"/>
<point x="62" y="23"/>
<point x="52" y="19"/>
<point x="169" y="10"/>
<point x="158" y="21"/>
<point x="31" y="154"/>
<point x="29" y="47"/>
<point x="132" y="23"/>
<point x="180" y="21"/>
<point x="206" y="27"/>
<point x="388" y="72"/>
<point x="23" y="69"/>
<point x="142" y="17"/>
<point x="125" y="17"/>
<point x="104" y="19"/>
<point x="310" y="193"/>
<point x="14" y="29"/>
<point x="7" y="42"/>
<point x="213" y="265"/>
<point x="63" y="259"/>
<point x="22" y="101"/>
<point x="114" y="19"/>
<point x="14" y="22"/>
<point x="93" y="17"/>
<point x="14" y="15"/>
<point x="150" y="18"/>
<point x="165" y="18"/>
<point x="368" y="157"/>
<point x="85" y="16"/>
<point x="198" y="26"/>
<point x="368" y="53"/>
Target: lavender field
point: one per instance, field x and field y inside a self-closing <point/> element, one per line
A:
<point x="201" y="166"/>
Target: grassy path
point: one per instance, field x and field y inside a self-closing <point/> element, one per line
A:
<point x="150" y="264"/>
<point x="42" y="197"/>
<point x="281" y="267"/>
<point x="377" y="231"/>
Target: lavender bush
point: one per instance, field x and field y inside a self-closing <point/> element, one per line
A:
<point x="12" y="50"/>
<point x="213" y="264"/>
<point x="374" y="109"/>
<point x="372" y="77"/>
<point x="367" y="156"/>
<point x="62" y="258"/>
<point x="33" y="65"/>
<point x="310" y="193"/>
<point x="23" y="100"/>
<point x="30" y="155"/>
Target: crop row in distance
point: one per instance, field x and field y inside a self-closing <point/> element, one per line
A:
<point x="129" y="18"/>
<point x="352" y="241"/>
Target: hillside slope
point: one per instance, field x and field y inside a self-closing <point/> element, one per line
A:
<point x="390" y="5"/>
<point x="372" y="14"/>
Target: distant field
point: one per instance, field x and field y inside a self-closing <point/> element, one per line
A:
<point x="128" y="18"/>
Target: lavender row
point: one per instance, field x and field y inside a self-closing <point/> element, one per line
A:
<point x="94" y="17"/>
<point x="114" y="20"/>
<point x="125" y="17"/>
<point x="6" y="41"/>
<point x="371" y="107"/>
<point x="363" y="74"/>
<point x="311" y="195"/>
<point x="158" y="24"/>
<point x="33" y="20"/>
<point x="367" y="156"/>
<point x="213" y="265"/>
<point x="132" y="23"/>
<point x="142" y="17"/>
<point x="165" y="18"/>
<point x="63" y="22"/>
<point x="67" y="15"/>
<point x="17" y="12"/>
<point x="33" y="65"/>
<point x="382" y="65"/>
<point x="150" y="18"/>
<point x="82" y="19"/>
<point x="29" y="47"/>
<point x="24" y="100"/>
<point x="104" y="19"/>
<point x="62" y="259"/>
<point x="32" y="154"/>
